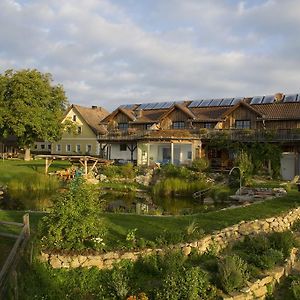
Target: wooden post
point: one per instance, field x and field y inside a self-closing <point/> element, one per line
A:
<point x="46" y="166"/>
<point x="172" y="153"/>
<point x="26" y="225"/>
<point x="85" y="167"/>
<point x="148" y="154"/>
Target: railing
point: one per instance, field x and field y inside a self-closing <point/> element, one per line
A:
<point x="202" y="133"/>
<point x="14" y="255"/>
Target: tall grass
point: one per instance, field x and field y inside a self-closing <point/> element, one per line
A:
<point x="32" y="183"/>
<point x="172" y="186"/>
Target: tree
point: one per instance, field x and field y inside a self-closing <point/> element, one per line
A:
<point x="31" y="107"/>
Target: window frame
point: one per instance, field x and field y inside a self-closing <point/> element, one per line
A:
<point x="123" y="147"/>
<point x="68" y="148"/>
<point x="123" y="126"/>
<point x="178" y="124"/>
<point x="242" y="124"/>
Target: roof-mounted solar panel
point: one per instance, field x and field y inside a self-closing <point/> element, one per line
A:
<point x="215" y="102"/>
<point x="226" y="102"/>
<point x="143" y="106"/>
<point x="291" y="98"/>
<point x="236" y="101"/>
<point x="205" y="103"/>
<point x="127" y="106"/>
<point x="194" y="103"/>
<point x="268" y="99"/>
<point x="168" y="104"/>
<point x="257" y="100"/>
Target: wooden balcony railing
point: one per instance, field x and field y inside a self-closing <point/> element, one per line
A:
<point x="247" y="135"/>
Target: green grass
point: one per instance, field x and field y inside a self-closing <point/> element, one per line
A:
<point x="151" y="227"/>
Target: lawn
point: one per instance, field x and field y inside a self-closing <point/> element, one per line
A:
<point x="152" y="227"/>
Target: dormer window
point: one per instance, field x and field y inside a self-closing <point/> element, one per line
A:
<point x="74" y="118"/>
<point x="178" y="125"/>
<point x="242" y="124"/>
<point x="123" y="126"/>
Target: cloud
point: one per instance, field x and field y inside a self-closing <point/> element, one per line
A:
<point x="114" y="52"/>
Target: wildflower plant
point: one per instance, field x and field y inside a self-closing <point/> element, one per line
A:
<point x="75" y="222"/>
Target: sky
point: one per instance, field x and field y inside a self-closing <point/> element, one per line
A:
<point x="113" y="52"/>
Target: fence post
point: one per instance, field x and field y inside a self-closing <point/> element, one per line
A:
<point x="26" y="225"/>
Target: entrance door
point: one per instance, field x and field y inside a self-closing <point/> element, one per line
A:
<point x="288" y="166"/>
<point x="166" y="155"/>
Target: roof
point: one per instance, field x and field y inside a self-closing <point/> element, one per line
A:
<point x="92" y="115"/>
<point x="279" y="111"/>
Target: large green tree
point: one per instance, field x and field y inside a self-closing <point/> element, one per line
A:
<point x="31" y="107"/>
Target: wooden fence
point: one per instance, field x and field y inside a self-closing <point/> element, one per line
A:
<point x="9" y="266"/>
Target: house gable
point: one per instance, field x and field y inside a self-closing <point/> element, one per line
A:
<point x="242" y="112"/>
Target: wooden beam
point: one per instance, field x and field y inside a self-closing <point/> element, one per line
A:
<point x="94" y="165"/>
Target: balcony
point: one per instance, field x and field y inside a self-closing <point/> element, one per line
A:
<point x="243" y="135"/>
<point x="249" y="135"/>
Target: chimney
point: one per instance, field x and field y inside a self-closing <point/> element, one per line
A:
<point x="94" y="106"/>
<point x="278" y="97"/>
<point x="139" y="113"/>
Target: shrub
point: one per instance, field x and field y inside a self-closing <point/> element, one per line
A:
<point x="243" y="161"/>
<point x="128" y="171"/>
<point x="200" y="164"/>
<point x="295" y="288"/>
<point x="282" y="241"/>
<point x="74" y="222"/>
<point x="220" y="193"/>
<point x="170" y="170"/>
<point x="232" y="273"/>
<point x="268" y="260"/>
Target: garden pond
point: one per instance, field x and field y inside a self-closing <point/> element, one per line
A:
<point x="121" y="202"/>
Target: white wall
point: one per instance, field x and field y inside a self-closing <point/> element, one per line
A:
<point x="117" y="154"/>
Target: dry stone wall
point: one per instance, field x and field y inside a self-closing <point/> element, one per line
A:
<point x="219" y="239"/>
<point x="259" y="288"/>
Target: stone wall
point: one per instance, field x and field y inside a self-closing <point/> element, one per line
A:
<point x="258" y="289"/>
<point x="220" y="239"/>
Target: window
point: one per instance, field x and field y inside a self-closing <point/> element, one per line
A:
<point x="147" y="126"/>
<point x="88" y="148"/>
<point x="208" y="125"/>
<point x="123" y="147"/>
<point x="79" y="129"/>
<point x="178" y="124"/>
<point x="74" y="118"/>
<point x="68" y="148"/>
<point x="78" y="149"/>
<point x="242" y="124"/>
<point x="35" y="146"/>
<point x="58" y="147"/>
<point x="189" y="155"/>
<point x="123" y="126"/>
<point x="42" y="146"/>
<point x="49" y="147"/>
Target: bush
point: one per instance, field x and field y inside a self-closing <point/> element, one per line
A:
<point x="295" y="288"/>
<point x="282" y="241"/>
<point x="74" y="223"/>
<point x="233" y="273"/>
<point x="170" y="170"/>
<point x="200" y="164"/>
<point x="220" y="193"/>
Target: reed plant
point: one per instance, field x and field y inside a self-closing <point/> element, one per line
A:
<point x="173" y="186"/>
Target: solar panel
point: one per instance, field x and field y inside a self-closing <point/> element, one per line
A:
<point x="167" y="104"/>
<point x="215" y="102"/>
<point x="195" y="103"/>
<point x="144" y="105"/>
<point x="236" y="101"/>
<point x="291" y="98"/>
<point x="127" y="106"/>
<point x="205" y="103"/>
<point x="226" y="102"/>
<point x="257" y="100"/>
<point x="158" y="105"/>
<point x="268" y="99"/>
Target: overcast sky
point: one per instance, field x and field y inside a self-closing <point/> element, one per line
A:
<point x="112" y="52"/>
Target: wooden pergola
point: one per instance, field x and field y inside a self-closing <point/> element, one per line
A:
<point x="83" y="160"/>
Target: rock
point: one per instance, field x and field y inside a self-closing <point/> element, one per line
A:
<point x="208" y="200"/>
<point x="129" y="255"/>
<point x="260" y="292"/>
<point x="186" y="250"/>
<point x="55" y="262"/>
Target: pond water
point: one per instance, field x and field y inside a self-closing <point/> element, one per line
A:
<point x="130" y="202"/>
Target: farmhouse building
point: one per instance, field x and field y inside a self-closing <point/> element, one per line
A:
<point x="179" y="132"/>
<point x="82" y="125"/>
